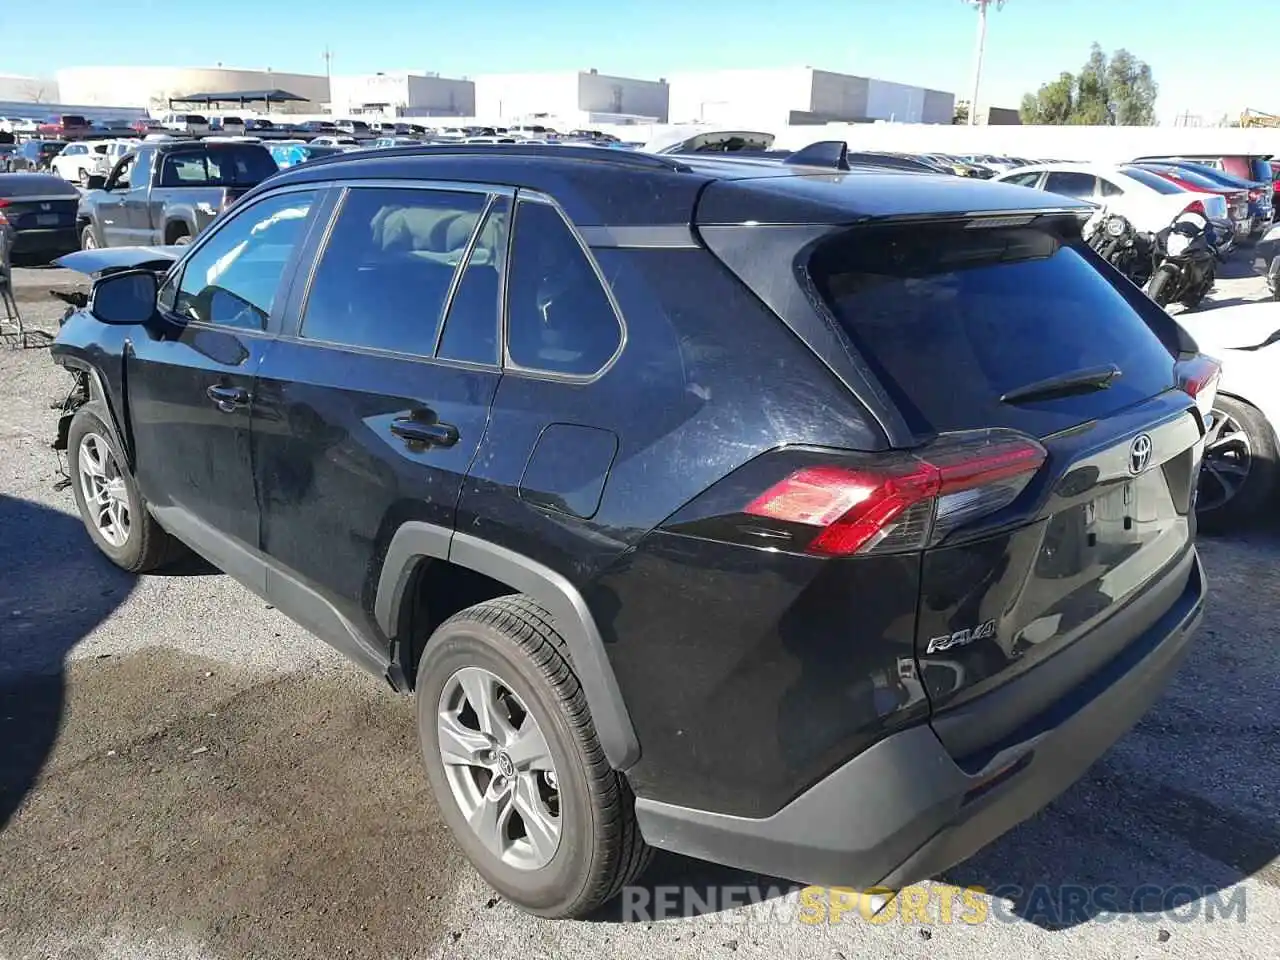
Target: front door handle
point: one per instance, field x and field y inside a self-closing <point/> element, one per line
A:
<point x="227" y="399"/>
<point x="421" y="432"/>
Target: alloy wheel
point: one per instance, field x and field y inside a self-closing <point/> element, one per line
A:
<point x="1228" y="456"/>
<point x="499" y="768"/>
<point x="106" y="498"/>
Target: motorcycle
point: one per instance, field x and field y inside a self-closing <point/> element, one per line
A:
<point x="1130" y="251"/>
<point x="1187" y="251"/>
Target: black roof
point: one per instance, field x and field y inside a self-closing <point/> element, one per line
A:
<point x="599" y="186"/>
<point x="241" y="96"/>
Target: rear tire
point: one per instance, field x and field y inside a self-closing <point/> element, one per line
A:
<point x="1160" y="289"/>
<point x="510" y="647"/>
<point x="1240" y="469"/>
<point x="110" y="504"/>
<point x="88" y="239"/>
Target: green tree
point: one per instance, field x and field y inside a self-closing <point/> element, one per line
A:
<point x="1108" y="91"/>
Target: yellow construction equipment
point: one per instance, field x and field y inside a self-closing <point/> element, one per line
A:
<point x="1257" y="118"/>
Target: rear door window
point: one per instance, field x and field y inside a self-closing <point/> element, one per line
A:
<point x="1069" y="183"/>
<point x="951" y="319"/>
<point x="1024" y="179"/>
<point x="385" y="276"/>
<point x="217" y="167"/>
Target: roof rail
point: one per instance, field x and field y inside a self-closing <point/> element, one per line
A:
<point x="631" y="158"/>
<point x="832" y="154"/>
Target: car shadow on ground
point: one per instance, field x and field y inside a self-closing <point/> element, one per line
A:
<point x="1165" y="827"/>
<point x="54" y="591"/>
<point x="676" y="887"/>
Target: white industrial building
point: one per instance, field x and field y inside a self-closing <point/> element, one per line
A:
<point x="800" y="95"/>
<point x="574" y="98"/>
<point x="402" y="94"/>
<point x="153" y="87"/>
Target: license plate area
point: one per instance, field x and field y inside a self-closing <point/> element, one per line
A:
<point x="47" y="219"/>
<point x="1121" y="514"/>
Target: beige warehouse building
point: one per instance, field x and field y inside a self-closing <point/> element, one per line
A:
<point x="152" y="87"/>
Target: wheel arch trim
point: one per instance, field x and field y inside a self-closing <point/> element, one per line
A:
<point x="100" y="401"/>
<point x="415" y="542"/>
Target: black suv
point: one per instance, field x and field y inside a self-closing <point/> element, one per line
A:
<point x="824" y="522"/>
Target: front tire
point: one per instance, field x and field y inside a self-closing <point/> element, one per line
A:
<point x="88" y="239"/>
<point x="1239" y="473"/>
<point x="512" y="754"/>
<point x="1162" y="285"/>
<point x="110" y="504"/>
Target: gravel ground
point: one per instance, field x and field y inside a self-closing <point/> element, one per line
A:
<point x="186" y="774"/>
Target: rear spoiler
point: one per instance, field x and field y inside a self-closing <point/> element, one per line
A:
<point x="103" y="260"/>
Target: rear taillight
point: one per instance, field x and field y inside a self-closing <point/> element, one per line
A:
<point x="1255" y="195"/>
<point x="4" y="221"/>
<point x="1199" y="378"/>
<point x="1196" y="206"/>
<point x="906" y="503"/>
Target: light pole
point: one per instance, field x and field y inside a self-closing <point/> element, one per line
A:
<point x="982" y="6"/>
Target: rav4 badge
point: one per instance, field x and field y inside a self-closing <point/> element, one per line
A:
<point x="962" y="638"/>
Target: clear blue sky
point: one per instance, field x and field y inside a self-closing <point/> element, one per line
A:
<point x="1208" y="57"/>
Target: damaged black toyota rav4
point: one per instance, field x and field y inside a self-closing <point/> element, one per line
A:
<point x="823" y="522"/>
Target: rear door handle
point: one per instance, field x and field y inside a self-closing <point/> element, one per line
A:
<point x="228" y="399"/>
<point x="424" y="432"/>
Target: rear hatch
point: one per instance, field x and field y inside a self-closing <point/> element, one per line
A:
<point x="1060" y="421"/>
<point x="38" y="202"/>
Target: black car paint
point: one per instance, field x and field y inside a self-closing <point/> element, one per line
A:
<point x="722" y="677"/>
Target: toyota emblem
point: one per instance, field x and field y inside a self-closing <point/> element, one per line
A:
<point x="1139" y="454"/>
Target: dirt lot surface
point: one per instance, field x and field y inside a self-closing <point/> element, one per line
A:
<point x="186" y="774"/>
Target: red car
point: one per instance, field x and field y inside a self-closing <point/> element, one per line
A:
<point x="1275" y="184"/>
<point x="1237" y="200"/>
<point x="64" y="126"/>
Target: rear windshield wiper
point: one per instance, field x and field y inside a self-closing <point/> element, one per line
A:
<point x="1085" y="380"/>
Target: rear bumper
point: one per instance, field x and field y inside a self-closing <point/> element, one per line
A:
<point x="905" y="809"/>
<point x="54" y="240"/>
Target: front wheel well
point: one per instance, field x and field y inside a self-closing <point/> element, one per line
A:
<point x="436" y="591"/>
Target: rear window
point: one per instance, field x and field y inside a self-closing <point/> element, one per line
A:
<point x="1193" y="177"/>
<point x="1260" y="169"/>
<point x="1153" y="180"/>
<point x="950" y="319"/>
<point x="14" y="186"/>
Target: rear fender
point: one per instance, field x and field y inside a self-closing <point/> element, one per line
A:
<point x="416" y="542"/>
